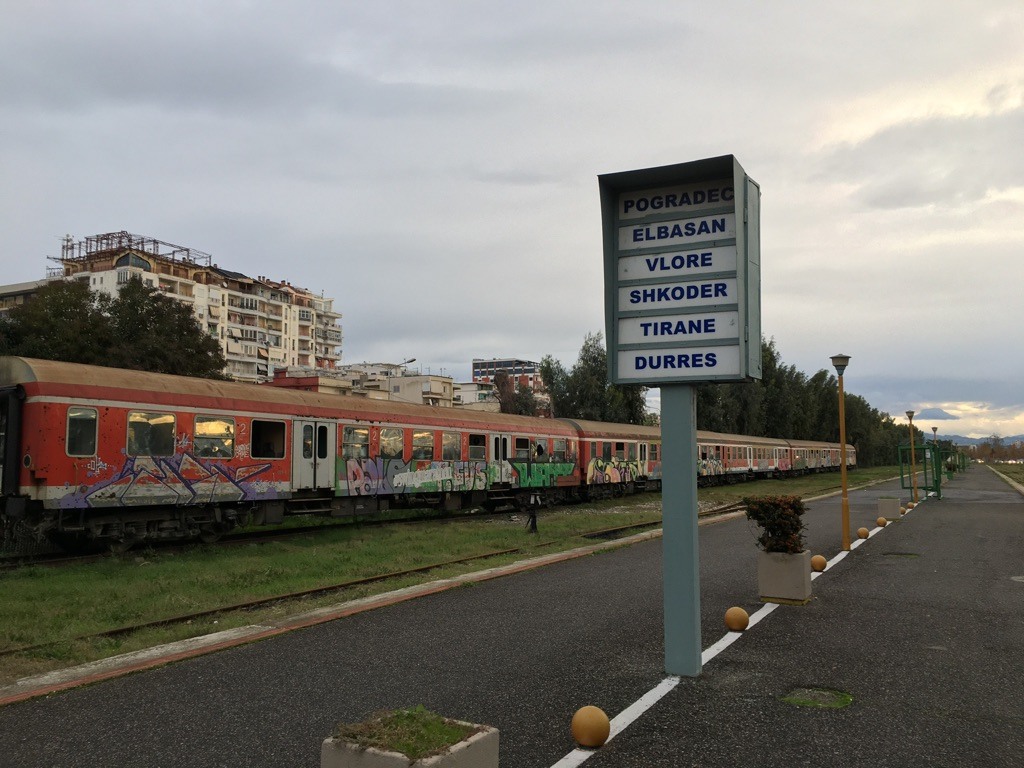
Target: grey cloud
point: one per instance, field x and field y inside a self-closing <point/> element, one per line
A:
<point x="938" y="161"/>
<point x="935" y="414"/>
<point x="908" y="393"/>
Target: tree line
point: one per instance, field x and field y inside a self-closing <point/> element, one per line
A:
<point x="140" y="329"/>
<point x="785" y="403"/>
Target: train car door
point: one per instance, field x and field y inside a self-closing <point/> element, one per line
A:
<point x="313" y="449"/>
<point x="502" y="451"/>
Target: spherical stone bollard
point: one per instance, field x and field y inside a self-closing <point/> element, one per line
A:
<point x="911" y="504"/>
<point x="736" y="619"/>
<point x="819" y="563"/>
<point x="590" y="727"/>
<point x="903" y="510"/>
<point x="863" y="532"/>
<point x="881" y="522"/>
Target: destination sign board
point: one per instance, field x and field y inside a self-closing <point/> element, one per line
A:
<point x="682" y="273"/>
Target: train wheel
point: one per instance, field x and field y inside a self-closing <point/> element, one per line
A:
<point x="209" y="535"/>
<point x="122" y="545"/>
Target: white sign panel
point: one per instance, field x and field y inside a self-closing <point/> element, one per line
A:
<point x="660" y="296"/>
<point x="677" y="232"/>
<point x="678" y="263"/>
<point x="658" y="329"/>
<point x="685" y="198"/>
<point x="659" y="363"/>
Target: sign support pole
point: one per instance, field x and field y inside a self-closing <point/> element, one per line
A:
<point x="680" y="563"/>
<point x="682" y="278"/>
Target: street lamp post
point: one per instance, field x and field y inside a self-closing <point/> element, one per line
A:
<point x="913" y="468"/>
<point x="840" y="362"/>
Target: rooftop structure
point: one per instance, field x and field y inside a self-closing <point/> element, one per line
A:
<point x="525" y="372"/>
<point x="260" y="323"/>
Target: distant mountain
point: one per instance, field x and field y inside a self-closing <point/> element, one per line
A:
<point x="961" y="440"/>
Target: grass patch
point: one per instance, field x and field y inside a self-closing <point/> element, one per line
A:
<point x="818" y="698"/>
<point x="1013" y="471"/>
<point x="57" y="605"/>
<point x="415" y="733"/>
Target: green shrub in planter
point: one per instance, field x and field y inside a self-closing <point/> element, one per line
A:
<point x="779" y="517"/>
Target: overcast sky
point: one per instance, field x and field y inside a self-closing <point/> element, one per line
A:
<point x="432" y="166"/>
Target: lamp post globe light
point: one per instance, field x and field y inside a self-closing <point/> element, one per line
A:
<point x="913" y="468"/>
<point x="840" y="362"/>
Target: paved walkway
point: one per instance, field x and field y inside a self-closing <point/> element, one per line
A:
<point x="921" y="625"/>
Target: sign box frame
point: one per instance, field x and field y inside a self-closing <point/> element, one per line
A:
<point x="717" y="282"/>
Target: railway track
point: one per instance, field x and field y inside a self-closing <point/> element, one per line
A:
<point x="56" y="560"/>
<point x="292" y="596"/>
<point x="605" y="533"/>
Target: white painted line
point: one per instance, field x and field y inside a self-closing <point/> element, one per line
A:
<point x="716" y="648"/>
<point x="633" y="711"/>
<point x="623" y="720"/>
<point x="641" y="705"/>
<point x="837" y="559"/>
<point x="761" y="614"/>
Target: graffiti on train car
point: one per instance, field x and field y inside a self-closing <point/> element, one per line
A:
<point x="372" y="477"/>
<point x="173" y="480"/>
<point x="539" y="475"/>
<point x="601" y="471"/>
<point x="712" y="466"/>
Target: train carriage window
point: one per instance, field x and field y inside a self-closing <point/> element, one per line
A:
<point x="214" y="437"/>
<point x="150" y="434"/>
<point x="322" y="441"/>
<point x="355" y="442"/>
<point x="558" y="453"/>
<point x="655" y="451"/>
<point x="422" y="444"/>
<point x="267" y="439"/>
<point x="451" y="446"/>
<point x="307" y="441"/>
<point x="478" y="447"/>
<point x="632" y="451"/>
<point x="392" y="442"/>
<point x="81" y="433"/>
<point x="643" y="451"/>
<point x="606" y="451"/>
<point x="620" y="451"/>
<point x="523" y="448"/>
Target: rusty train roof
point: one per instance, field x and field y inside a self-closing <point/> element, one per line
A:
<point x="76" y="379"/>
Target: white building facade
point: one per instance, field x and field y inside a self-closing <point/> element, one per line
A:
<point x="260" y="323"/>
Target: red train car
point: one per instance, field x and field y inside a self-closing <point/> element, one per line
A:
<point x="93" y="454"/>
<point x="618" y="458"/>
<point x="123" y="456"/>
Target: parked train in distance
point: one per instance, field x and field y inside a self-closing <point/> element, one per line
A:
<point x="101" y="455"/>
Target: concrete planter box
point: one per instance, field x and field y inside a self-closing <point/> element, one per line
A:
<point x="889" y="508"/>
<point x="784" y="578"/>
<point x="478" y="751"/>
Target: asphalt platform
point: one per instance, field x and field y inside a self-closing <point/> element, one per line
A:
<point x="920" y="626"/>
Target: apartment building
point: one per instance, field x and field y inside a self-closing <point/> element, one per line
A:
<point x="525" y="372"/>
<point x="260" y="323"/>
